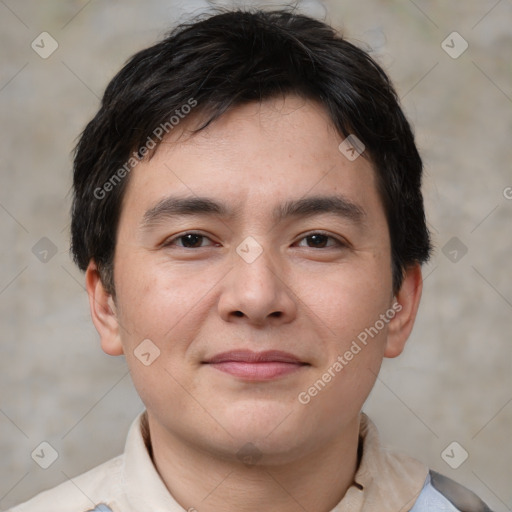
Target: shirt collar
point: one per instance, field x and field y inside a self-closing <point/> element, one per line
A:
<point x="385" y="481"/>
<point x="143" y="487"/>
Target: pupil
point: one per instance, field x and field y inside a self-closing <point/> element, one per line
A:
<point x="318" y="240"/>
<point x="192" y="239"/>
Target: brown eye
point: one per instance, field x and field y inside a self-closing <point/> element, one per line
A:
<point x="191" y="240"/>
<point x="188" y="241"/>
<point x="321" y="241"/>
<point x="318" y="240"/>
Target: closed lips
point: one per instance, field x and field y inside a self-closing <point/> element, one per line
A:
<point x="248" y="356"/>
<point x="247" y="365"/>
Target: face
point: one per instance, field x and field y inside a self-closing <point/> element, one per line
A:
<point x="254" y="260"/>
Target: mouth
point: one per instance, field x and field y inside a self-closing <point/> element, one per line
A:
<point x="256" y="366"/>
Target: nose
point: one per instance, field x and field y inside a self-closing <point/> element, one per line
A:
<point x="257" y="293"/>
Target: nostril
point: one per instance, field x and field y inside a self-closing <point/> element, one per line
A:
<point x="239" y="313"/>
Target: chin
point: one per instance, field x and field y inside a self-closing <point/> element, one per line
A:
<point x="271" y="426"/>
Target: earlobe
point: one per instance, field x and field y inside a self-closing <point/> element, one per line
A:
<point x="405" y="304"/>
<point x="103" y="312"/>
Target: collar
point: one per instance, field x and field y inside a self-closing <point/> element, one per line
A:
<point x="143" y="487"/>
<point x="385" y="481"/>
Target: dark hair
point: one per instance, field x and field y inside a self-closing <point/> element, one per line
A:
<point x="219" y="62"/>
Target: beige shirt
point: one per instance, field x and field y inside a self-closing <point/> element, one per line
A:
<point x="384" y="482"/>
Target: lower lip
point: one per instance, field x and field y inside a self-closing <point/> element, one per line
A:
<point x="257" y="371"/>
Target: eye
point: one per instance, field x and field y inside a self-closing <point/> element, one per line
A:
<point x="321" y="240"/>
<point x="189" y="240"/>
<point x="193" y="240"/>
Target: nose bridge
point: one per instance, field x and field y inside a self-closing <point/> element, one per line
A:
<point x="256" y="271"/>
<point x="256" y="289"/>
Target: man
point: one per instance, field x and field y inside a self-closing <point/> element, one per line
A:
<point x="249" y="216"/>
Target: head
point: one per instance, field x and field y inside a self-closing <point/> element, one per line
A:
<point x="216" y="208"/>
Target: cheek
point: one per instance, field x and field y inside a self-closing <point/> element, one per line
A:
<point x="352" y="302"/>
<point x="156" y="310"/>
<point x="168" y="307"/>
<point x="155" y="298"/>
<point x="349" y="299"/>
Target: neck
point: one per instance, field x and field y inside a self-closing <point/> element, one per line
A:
<point x="201" y="481"/>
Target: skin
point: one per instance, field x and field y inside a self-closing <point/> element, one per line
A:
<point x="308" y="296"/>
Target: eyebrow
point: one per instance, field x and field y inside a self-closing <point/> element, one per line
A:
<point x="316" y="205"/>
<point x="176" y="206"/>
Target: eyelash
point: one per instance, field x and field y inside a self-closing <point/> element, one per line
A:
<point x="339" y="243"/>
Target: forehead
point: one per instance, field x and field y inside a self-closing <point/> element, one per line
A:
<point x="257" y="153"/>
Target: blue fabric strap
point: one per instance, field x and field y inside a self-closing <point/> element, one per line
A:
<point x="440" y="493"/>
<point x="101" y="508"/>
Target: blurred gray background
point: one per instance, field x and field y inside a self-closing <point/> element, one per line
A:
<point x="452" y="384"/>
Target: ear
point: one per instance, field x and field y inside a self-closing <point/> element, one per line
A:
<point x="103" y="312"/>
<point x="405" y="304"/>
